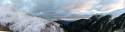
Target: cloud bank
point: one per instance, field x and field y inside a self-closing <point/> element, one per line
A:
<point x="73" y="9"/>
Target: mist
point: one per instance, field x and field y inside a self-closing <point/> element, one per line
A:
<point x="61" y="9"/>
<point x="41" y="12"/>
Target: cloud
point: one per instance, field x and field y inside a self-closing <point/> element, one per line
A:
<point x="67" y="8"/>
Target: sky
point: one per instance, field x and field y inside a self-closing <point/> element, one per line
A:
<point x="19" y="11"/>
<point x="69" y="9"/>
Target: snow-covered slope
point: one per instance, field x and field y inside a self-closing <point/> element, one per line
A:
<point x="21" y="22"/>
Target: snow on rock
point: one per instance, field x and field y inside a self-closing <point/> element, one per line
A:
<point x="21" y="22"/>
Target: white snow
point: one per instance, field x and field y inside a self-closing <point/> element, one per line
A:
<point x="21" y="22"/>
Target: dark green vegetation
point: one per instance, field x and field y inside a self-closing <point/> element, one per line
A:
<point x="96" y="23"/>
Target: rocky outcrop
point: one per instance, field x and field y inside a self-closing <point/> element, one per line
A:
<point x="96" y="23"/>
<point x="53" y="27"/>
<point x="4" y="28"/>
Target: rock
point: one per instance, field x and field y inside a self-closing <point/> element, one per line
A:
<point x="4" y="28"/>
<point x="53" y="27"/>
<point x="96" y="23"/>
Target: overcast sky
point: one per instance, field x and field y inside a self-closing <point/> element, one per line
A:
<point x="67" y="8"/>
